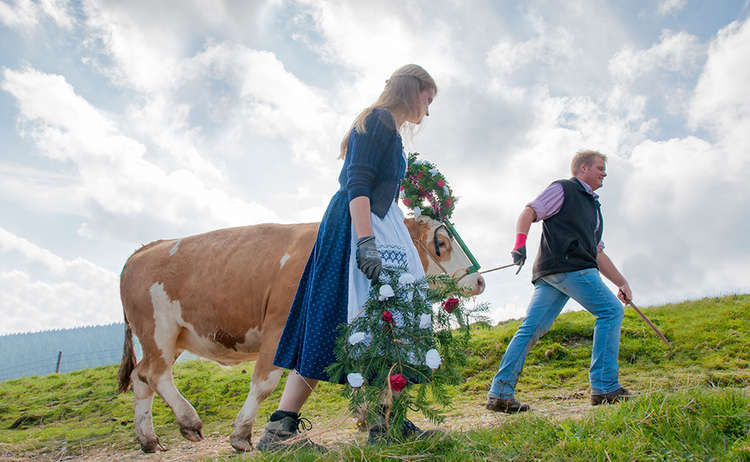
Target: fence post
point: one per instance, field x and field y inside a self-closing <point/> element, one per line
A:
<point x="59" y="357"/>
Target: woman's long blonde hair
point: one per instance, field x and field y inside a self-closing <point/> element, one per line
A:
<point x="400" y="96"/>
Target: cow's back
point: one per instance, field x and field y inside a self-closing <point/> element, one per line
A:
<point x="222" y="288"/>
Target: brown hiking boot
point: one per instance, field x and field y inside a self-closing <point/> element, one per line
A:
<point x="621" y="394"/>
<point x="509" y="406"/>
<point x="284" y="434"/>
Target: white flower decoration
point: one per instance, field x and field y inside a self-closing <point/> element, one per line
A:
<point x="425" y="321"/>
<point x="355" y="379"/>
<point x="432" y="359"/>
<point x="385" y="292"/>
<point x="417" y="211"/>
<point x="446" y="190"/>
<point x="398" y="319"/>
<point x="401" y="194"/>
<point x="433" y="171"/>
<point x="406" y="278"/>
<point x="356" y="337"/>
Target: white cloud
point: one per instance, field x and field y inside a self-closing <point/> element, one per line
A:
<point x="34" y="188"/>
<point x="26" y="14"/>
<point x="685" y="196"/>
<point x="671" y="6"/>
<point x="31" y="305"/>
<point x="58" y="11"/>
<point x="721" y="102"/>
<point x="550" y="46"/>
<point x="112" y="168"/>
<point x="678" y="52"/>
<point x="184" y="118"/>
<point x="78" y="270"/>
<point x="73" y="293"/>
<point x="350" y="35"/>
<point x="268" y="99"/>
<point x="186" y="85"/>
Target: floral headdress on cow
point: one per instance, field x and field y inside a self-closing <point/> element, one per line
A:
<point x="425" y="190"/>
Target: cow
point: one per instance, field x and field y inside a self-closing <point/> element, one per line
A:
<point x="225" y="295"/>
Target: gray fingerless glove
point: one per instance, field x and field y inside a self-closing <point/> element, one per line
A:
<point x="368" y="257"/>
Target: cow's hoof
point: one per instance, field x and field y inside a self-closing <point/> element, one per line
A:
<point x="151" y="445"/>
<point x="193" y="434"/>
<point x="240" y="444"/>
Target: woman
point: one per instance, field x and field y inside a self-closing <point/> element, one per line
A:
<point x="362" y="230"/>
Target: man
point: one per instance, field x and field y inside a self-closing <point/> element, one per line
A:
<point x="570" y="258"/>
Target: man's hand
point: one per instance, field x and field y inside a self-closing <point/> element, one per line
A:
<point x="519" y="251"/>
<point x="368" y="257"/>
<point x="624" y="294"/>
<point x="519" y="257"/>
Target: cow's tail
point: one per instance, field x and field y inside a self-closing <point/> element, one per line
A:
<point x="128" y="360"/>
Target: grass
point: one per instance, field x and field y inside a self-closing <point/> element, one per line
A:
<point x="694" y="425"/>
<point x="696" y="407"/>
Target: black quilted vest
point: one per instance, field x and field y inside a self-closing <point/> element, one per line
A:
<point x="570" y="238"/>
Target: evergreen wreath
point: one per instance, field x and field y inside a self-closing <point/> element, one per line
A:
<point x="425" y="190"/>
<point x="398" y="343"/>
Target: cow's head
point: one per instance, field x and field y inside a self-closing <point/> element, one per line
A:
<point x="441" y="254"/>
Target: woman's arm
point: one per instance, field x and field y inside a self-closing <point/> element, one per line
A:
<point x="359" y="207"/>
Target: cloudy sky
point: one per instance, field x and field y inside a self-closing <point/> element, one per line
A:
<point x="126" y="122"/>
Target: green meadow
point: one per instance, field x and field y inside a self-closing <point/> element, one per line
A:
<point x="693" y="403"/>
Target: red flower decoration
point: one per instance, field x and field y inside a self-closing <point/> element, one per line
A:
<point x="420" y="175"/>
<point x="387" y="316"/>
<point x="407" y="202"/>
<point x="448" y="202"/>
<point x="398" y="382"/>
<point x="450" y="304"/>
<point x="440" y="183"/>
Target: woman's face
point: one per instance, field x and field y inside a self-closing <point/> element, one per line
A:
<point x="423" y="105"/>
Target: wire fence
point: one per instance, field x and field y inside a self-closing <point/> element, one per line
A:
<point x="44" y="353"/>
<point x="67" y="350"/>
<point x="68" y="362"/>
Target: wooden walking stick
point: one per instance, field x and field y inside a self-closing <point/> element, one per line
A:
<point x="648" y="321"/>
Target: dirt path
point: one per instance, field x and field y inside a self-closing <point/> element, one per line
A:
<point x="331" y="433"/>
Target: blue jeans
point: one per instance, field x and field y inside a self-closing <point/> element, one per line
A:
<point x="550" y="295"/>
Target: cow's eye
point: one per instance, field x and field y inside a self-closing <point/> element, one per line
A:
<point x="442" y="244"/>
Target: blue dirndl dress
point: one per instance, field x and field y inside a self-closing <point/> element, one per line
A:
<point x="332" y="287"/>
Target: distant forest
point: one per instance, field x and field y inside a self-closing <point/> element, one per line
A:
<point x="25" y="355"/>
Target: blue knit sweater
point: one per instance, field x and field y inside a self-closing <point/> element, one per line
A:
<point x="374" y="164"/>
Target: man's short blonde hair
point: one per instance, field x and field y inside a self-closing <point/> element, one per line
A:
<point x="584" y="158"/>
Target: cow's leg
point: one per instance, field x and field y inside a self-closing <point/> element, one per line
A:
<point x="190" y="424"/>
<point x="165" y="353"/>
<point x="144" y="427"/>
<point x="161" y="380"/>
<point x="265" y="378"/>
<point x="153" y="373"/>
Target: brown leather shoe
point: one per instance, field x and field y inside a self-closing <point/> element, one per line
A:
<point x="612" y="397"/>
<point x="509" y="406"/>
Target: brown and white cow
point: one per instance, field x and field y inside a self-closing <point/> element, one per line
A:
<point x="225" y="295"/>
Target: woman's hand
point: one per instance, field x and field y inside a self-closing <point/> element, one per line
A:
<point x="368" y="257"/>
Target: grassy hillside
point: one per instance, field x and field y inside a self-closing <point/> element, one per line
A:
<point x="695" y="403"/>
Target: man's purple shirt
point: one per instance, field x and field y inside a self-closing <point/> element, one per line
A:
<point x="550" y="201"/>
